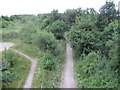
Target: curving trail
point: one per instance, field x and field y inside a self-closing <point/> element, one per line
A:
<point x="28" y="83"/>
<point x="68" y="80"/>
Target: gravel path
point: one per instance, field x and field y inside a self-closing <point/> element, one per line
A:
<point x="68" y="80"/>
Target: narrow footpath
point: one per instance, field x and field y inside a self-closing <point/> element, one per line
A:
<point x="28" y="83"/>
<point x="68" y="80"/>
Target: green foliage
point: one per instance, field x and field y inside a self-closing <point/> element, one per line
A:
<point x="26" y="33"/>
<point x="54" y="15"/>
<point x="58" y="29"/>
<point x="28" y="49"/>
<point x="83" y="34"/>
<point x="44" y="24"/>
<point x="9" y="36"/>
<point x="47" y="42"/>
<point x="94" y="38"/>
<point x="14" y="69"/>
<point x="48" y="61"/>
<point x="107" y="14"/>
<point x="6" y="21"/>
<point x="108" y="33"/>
<point x="70" y="15"/>
<point x="15" y="17"/>
<point x="93" y="71"/>
<point x="5" y="24"/>
<point x="49" y="69"/>
<point x="8" y="75"/>
<point x="49" y="65"/>
<point x="46" y="78"/>
<point x="110" y="29"/>
<point x="113" y="51"/>
<point x="8" y="60"/>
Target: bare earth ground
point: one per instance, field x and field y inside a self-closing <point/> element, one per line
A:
<point x="68" y="80"/>
<point x="4" y="46"/>
<point x="28" y="83"/>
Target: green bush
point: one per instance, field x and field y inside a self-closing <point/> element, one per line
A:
<point x="26" y="34"/>
<point x="46" y="41"/>
<point x="83" y="34"/>
<point x="57" y="28"/>
<point x="50" y="64"/>
<point x="48" y="61"/>
<point x="8" y="62"/>
<point x="94" y="71"/>
<point x="15" y="69"/>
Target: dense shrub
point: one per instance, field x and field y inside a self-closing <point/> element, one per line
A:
<point x="48" y="61"/>
<point x="93" y="71"/>
<point x="46" y="41"/>
<point x="83" y="35"/>
<point x="57" y="28"/>
<point x="15" y="69"/>
<point x="8" y="62"/>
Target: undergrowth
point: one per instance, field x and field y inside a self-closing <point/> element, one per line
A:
<point x="15" y="69"/>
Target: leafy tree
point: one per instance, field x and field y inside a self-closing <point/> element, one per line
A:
<point x="94" y="71"/>
<point x="44" y="24"/>
<point x="83" y="34"/>
<point x="57" y="28"/>
<point x="107" y="14"/>
<point x="71" y="14"/>
<point x="108" y="34"/>
<point x="113" y="50"/>
<point x="46" y="42"/>
<point x="48" y="61"/>
<point x="54" y="15"/>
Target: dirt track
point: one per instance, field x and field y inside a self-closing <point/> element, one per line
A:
<point x="68" y="80"/>
<point x="4" y="46"/>
<point x="28" y="83"/>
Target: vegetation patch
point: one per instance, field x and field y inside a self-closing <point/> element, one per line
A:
<point x="93" y="71"/>
<point x="49" y="66"/>
<point x="15" y="69"/>
<point x="30" y="50"/>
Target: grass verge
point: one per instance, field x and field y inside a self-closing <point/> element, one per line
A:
<point x="30" y="50"/>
